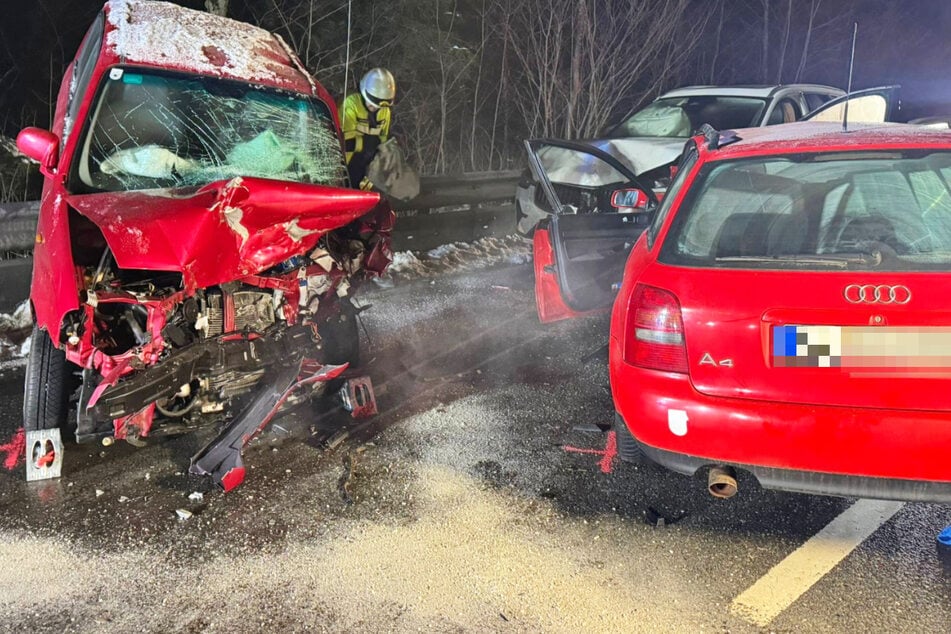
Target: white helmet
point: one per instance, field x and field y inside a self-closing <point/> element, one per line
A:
<point x="378" y="88"/>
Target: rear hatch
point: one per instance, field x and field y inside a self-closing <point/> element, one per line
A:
<point x="817" y="279"/>
<point x="812" y="339"/>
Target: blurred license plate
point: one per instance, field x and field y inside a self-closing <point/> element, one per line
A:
<point x="861" y="347"/>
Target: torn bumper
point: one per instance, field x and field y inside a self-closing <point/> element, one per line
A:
<point x="221" y="458"/>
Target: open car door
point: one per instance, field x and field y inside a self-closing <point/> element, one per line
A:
<point x="580" y="252"/>
<point x="873" y="105"/>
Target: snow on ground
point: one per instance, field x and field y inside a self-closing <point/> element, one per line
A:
<point x="15" y="333"/>
<point x="460" y="256"/>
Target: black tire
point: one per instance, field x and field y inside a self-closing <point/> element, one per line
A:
<point x="46" y="387"/>
<point x="628" y="448"/>
<point x="340" y="336"/>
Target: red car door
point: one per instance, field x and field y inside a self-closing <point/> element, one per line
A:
<point x="599" y="209"/>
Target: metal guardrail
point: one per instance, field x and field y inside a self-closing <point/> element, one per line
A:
<point x="474" y="188"/>
<point x="18" y="220"/>
<point x="18" y="226"/>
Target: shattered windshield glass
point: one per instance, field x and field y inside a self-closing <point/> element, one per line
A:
<point x="154" y="129"/>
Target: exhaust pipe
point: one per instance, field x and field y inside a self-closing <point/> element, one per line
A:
<point x="722" y="482"/>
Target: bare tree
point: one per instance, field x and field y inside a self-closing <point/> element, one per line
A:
<point x="765" y="34"/>
<point x="579" y="61"/>
<point x="716" y="47"/>
<point x="813" y="11"/>
<point x="782" y="51"/>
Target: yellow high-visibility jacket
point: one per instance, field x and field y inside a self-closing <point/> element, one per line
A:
<point x="363" y="132"/>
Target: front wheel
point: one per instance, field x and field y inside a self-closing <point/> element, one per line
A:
<point x="46" y="386"/>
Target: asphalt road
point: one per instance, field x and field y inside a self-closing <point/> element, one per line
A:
<point x="457" y="509"/>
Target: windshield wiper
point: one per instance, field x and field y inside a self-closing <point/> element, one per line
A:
<point x="840" y="260"/>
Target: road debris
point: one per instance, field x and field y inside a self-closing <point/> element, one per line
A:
<point x="197" y="497"/>
<point x="591" y="428"/>
<point x="654" y="517"/>
<point x="100" y="493"/>
<point x="343" y="484"/>
<point x="183" y="514"/>
<point x="337" y="439"/>
<point x="358" y="398"/>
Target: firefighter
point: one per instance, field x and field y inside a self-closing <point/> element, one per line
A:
<point x="366" y="122"/>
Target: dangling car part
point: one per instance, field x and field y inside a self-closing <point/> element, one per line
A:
<point x="221" y="459"/>
<point x="198" y="244"/>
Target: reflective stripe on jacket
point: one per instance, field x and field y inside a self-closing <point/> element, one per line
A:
<point x="357" y="122"/>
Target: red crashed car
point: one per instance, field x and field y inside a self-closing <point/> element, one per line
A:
<point x="785" y="312"/>
<point x="198" y="245"/>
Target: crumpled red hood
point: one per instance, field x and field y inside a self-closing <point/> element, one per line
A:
<point x="223" y="231"/>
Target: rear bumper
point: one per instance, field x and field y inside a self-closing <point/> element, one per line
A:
<point x="814" y="482"/>
<point x="890" y="454"/>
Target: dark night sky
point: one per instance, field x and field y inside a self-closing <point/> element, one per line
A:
<point x="900" y="41"/>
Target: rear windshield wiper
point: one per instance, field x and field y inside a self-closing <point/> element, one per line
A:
<point x="840" y="260"/>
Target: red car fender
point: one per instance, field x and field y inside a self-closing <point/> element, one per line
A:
<point x="55" y="285"/>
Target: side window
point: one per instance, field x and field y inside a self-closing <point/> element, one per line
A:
<point x="786" y="111"/>
<point x="815" y="99"/>
<point x="82" y="69"/>
<point x="870" y="108"/>
<point x="684" y="167"/>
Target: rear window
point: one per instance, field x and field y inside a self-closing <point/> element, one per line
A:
<point x="854" y="211"/>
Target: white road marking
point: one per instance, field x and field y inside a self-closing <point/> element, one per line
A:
<point x="793" y="576"/>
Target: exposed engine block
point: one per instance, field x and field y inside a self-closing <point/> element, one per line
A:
<point x="238" y="311"/>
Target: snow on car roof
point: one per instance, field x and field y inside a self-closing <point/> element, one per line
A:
<point x="169" y="36"/>
<point x="829" y="136"/>
<point x="762" y="92"/>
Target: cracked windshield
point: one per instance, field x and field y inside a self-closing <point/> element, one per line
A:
<point x="152" y="130"/>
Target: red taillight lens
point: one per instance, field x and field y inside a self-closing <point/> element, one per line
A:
<point x="655" y="331"/>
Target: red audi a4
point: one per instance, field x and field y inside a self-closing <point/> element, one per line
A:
<point x="785" y="311"/>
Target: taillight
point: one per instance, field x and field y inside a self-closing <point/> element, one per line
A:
<point x="655" y="331"/>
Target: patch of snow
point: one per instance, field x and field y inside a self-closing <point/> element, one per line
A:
<point x="15" y="333"/>
<point x="460" y="256"/>
<point x="161" y="32"/>
<point x="20" y="319"/>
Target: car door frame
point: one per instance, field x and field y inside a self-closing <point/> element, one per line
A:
<point x="553" y="300"/>
<point x="891" y="93"/>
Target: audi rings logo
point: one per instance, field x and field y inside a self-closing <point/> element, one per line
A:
<point x="877" y="294"/>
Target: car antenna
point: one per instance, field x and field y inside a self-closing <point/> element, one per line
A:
<point x="848" y="98"/>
